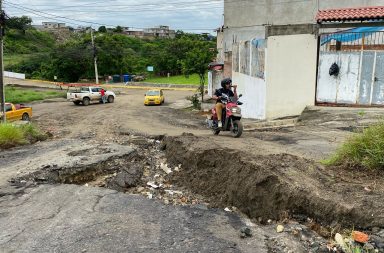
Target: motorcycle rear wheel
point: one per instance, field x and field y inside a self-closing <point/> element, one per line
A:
<point x="237" y="129"/>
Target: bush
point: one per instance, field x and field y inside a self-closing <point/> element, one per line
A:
<point x="11" y="136"/>
<point x="195" y="101"/>
<point x="33" y="134"/>
<point x="15" y="135"/>
<point x="364" y="150"/>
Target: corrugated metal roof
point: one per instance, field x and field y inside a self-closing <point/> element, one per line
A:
<point x="351" y="14"/>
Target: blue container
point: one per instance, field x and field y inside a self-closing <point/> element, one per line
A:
<point x="126" y="78"/>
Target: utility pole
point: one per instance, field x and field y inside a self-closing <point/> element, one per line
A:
<point x="2" y="88"/>
<point x="94" y="56"/>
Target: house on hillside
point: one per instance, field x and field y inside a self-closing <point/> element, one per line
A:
<point x="160" y="32"/>
<point x="272" y="50"/>
<point x="54" y="25"/>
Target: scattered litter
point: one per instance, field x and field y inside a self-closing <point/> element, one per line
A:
<point x="153" y="185"/>
<point x="367" y="189"/>
<point x="165" y="168"/>
<point x="228" y="210"/>
<point x="149" y="195"/>
<point x="269" y="221"/>
<point x="340" y="241"/>
<point x="360" y="237"/>
<point x="280" y="229"/>
<point x="86" y="185"/>
<point x="170" y="192"/>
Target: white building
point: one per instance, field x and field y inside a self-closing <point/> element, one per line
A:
<point x="270" y="49"/>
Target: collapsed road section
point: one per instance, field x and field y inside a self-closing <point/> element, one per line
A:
<point x="189" y="170"/>
<point x="272" y="186"/>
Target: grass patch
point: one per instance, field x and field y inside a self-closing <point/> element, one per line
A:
<point x="20" y="95"/>
<point x="16" y="135"/>
<point x="182" y="80"/>
<point x="15" y="59"/>
<point x="363" y="150"/>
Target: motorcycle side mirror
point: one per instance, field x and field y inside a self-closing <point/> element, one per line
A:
<point x="240" y="95"/>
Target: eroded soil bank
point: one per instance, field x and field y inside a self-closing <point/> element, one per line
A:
<point x="276" y="186"/>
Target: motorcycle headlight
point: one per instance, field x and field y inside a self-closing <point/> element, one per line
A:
<point x="236" y="110"/>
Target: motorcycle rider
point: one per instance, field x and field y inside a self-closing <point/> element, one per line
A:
<point x="226" y="85"/>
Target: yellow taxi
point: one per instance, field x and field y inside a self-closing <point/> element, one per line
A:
<point x="154" y="97"/>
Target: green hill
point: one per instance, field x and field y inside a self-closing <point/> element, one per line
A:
<point x="32" y="41"/>
<point x="20" y="45"/>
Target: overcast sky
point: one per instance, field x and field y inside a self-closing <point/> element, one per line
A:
<point x="188" y="15"/>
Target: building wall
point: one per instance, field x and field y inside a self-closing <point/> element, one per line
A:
<point x="245" y="19"/>
<point x="254" y="91"/>
<point x="290" y="74"/>
<point x="214" y="81"/>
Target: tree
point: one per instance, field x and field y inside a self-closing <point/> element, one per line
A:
<point x="197" y="60"/>
<point x="102" y="29"/>
<point x="19" y="23"/>
<point x="118" y="29"/>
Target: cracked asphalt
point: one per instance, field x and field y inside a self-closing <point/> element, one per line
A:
<point x="70" y="218"/>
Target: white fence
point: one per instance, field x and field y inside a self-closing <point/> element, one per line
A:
<point x="14" y="75"/>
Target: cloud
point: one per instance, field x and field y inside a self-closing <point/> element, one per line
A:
<point x="189" y="15"/>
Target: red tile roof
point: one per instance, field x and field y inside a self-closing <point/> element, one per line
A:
<point x="351" y="14"/>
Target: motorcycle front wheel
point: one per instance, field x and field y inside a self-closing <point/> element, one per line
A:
<point x="237" y="129"/>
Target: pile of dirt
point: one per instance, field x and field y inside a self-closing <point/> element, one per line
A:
<point x="270" y="186"/>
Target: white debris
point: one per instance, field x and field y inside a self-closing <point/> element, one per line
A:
<point x="149" y="195"/>
<point x="86" y="185"/>
<point x="153" y="185"/>
<point x="228" y="210"/>
<point x="340" y="241"/>
<point x="165" y="168"/>
<point x="280" y="229"/>
<point x="170" y="192"/>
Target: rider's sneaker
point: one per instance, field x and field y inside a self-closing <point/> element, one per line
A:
<point x="220" y="124"/>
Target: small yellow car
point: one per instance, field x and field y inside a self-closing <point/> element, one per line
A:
<point x="154" y="97"/>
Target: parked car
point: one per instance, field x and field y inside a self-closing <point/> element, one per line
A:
<point x="15" y="112"/>
<point x="86" y="95"/>
<point x="154" y="97"/>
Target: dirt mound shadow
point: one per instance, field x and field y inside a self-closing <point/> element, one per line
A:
<point x="269" y="186"/>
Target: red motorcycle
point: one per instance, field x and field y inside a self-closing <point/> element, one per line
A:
<point x="230" y="119"/>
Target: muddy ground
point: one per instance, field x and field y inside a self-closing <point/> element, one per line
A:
<point x="271" y="176"/>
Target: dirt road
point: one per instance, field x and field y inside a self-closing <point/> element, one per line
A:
<point x="268" y="175"/>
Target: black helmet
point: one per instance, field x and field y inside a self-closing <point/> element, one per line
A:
<point x="226" y="81"/>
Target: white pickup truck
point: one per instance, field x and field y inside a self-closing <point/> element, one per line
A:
<point x="86" y="95"/>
